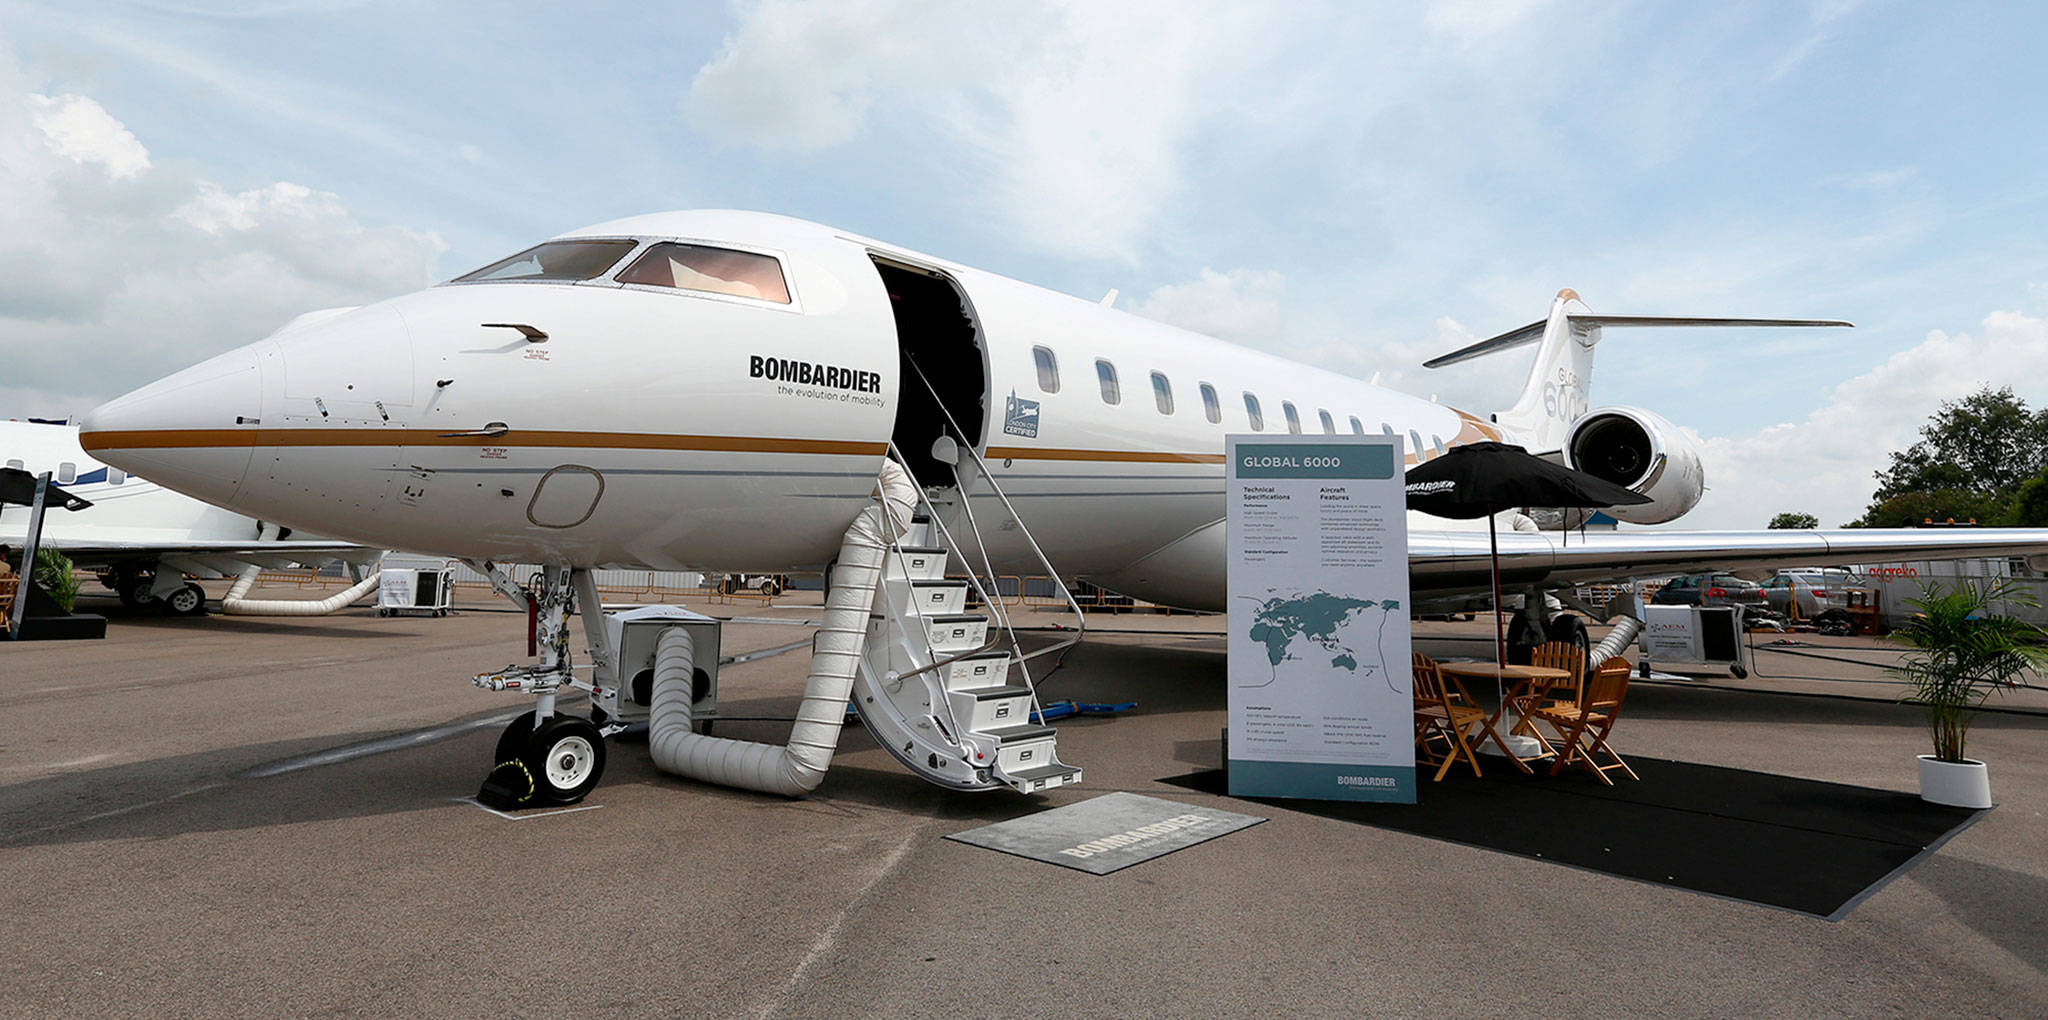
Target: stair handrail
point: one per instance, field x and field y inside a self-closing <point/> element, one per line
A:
<point x="966" y="505"/>
<point x="989" y="640"/>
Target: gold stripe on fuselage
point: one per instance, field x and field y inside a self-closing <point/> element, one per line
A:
<point x="163" y="439"/>
<point x="1110" y="456"/>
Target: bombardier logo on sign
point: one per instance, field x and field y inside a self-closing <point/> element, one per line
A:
<point x="1020" y="417"/>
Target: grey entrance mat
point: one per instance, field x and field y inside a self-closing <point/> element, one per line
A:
<point x="1107" y="833"/>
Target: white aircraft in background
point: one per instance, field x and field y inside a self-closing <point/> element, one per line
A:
<point x="141" y="538"/>
<point x="719" y="390"/>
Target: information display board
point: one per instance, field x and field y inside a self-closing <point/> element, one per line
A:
<point x="1320" y="680"/>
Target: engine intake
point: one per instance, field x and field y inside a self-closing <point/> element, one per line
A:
<point x="1639" y="450"/>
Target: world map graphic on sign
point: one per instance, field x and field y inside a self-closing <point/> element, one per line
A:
<point x="1293" y="626"/>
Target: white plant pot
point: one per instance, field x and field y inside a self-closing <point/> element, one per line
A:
<point x="1957" y="784"/>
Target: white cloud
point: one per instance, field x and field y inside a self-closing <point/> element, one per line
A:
<point x="120" y="270"/>
<point x="1824" y="463"/>
<point x="1241" y="306"/>
<point x="80" y="130"/>
<point x="1068" y="120"/>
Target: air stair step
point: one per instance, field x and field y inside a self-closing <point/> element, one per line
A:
<point x="1021" y="747"/>
<point x="977" y="671"/>
<point x="938" y="598"/>
<point x="956" y="632"/>
<point x="919" y="563"/>
<point x="1016" y="734"/>
<point x="988" y="708"/>
<point x="1044" y="777"/>
<point x="988" y="693"/>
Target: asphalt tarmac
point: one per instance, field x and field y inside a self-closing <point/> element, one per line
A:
<point x="232" y="816"/>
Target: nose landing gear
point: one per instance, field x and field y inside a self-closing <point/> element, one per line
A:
<point x="543" y="758"/>
<point x="556" y="762"/>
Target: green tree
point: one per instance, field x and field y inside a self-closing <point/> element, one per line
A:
<point x="2029" y="507"/>
<point x="1969" y="463"/>
<point x="1794" y="520"/>
<point x="1912" y="509"/>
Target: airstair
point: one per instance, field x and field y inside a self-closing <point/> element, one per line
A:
<point x="948" y="689"/>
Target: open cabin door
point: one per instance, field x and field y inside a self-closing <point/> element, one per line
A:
<point x="943" y="367"/>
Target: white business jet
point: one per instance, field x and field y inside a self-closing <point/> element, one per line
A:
<point x="721" y="391"/>
<point x="142" y="539"/>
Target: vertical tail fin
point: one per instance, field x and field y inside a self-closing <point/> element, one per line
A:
<point x="1560" y="383"/>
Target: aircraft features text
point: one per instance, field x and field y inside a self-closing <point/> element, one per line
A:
<point x="805" y="373"/>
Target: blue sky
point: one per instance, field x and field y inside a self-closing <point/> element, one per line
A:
<point x="1358" y="186"/>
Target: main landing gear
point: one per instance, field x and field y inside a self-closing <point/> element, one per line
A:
<point x="546" y="758"/>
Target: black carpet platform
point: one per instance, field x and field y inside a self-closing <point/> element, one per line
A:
<point x="1797" y="844"/>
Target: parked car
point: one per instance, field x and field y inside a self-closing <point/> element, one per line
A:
<point x="1807" y="593"/>
<point x="1710" y="590"/>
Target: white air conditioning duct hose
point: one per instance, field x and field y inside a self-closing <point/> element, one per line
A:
<point x="1625" y="629"/>
<point x="797" y="768"/>
<point x="233" y="603"/>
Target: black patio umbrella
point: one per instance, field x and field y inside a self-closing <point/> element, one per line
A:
<point x="1482" y="479"/>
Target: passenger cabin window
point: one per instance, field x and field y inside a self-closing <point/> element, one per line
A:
<point x="1048" y="369"/>
<point x="1357" y="427"/>
<point x="1437" y="443"/>
<point x="16" y="465"/>
<point x="67" y="473"/>
<point x="1251" y="412"/>
<point x="1212" y="408"/>
<point x="1293" y="419"/>
<point x="1107" y="373"/>
<point x="1329" y="426"/>
<point x="713" y="270"/>
<point x="1162" y="392"/>
<point x="555" y="261"/>
<point x="116" y="476"/>
<point x="1415" y="444"/>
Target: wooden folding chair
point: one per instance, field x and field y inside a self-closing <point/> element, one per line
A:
<point x="1582" y="728"/>
<point x="1554" y="655"/>
<point x="1444" y="714"/>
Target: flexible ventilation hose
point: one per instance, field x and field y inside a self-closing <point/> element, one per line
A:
<point x="796" y="768"/>
<point x="1625" y="630"/>
<point x="235" y="604"/>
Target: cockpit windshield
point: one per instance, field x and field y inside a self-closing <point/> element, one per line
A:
<point x="563" y="261"/>
<point x="716" y="270"/>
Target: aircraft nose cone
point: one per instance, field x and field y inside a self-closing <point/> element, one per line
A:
<point x="192" y="431"/>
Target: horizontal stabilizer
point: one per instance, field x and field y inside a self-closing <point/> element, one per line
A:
<point x="1580" y="321"/>
<point x="1513" y="338"/>
<point x="1534" y="331"/>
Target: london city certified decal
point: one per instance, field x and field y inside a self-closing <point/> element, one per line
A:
<point x="1020" y="417"/>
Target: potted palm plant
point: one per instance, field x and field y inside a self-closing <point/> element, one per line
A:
<point x="1963" y="650"/>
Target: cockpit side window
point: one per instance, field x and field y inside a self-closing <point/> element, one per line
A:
<point x="556" y="261"/>
<point x="714" y="270"/>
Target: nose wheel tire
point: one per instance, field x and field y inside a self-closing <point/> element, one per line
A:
<point x="559" y="763"/>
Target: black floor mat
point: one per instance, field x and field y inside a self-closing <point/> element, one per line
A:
<point x="1801" y="845"/>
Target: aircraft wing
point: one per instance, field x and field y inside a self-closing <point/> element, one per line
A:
<point x="1455" y="561"/>
<point x="226" y="558"/>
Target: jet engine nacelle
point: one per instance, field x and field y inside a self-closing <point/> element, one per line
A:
<point x="1639" y="450"/>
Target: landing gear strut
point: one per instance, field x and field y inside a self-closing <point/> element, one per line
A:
<point x="546" y="758"/>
